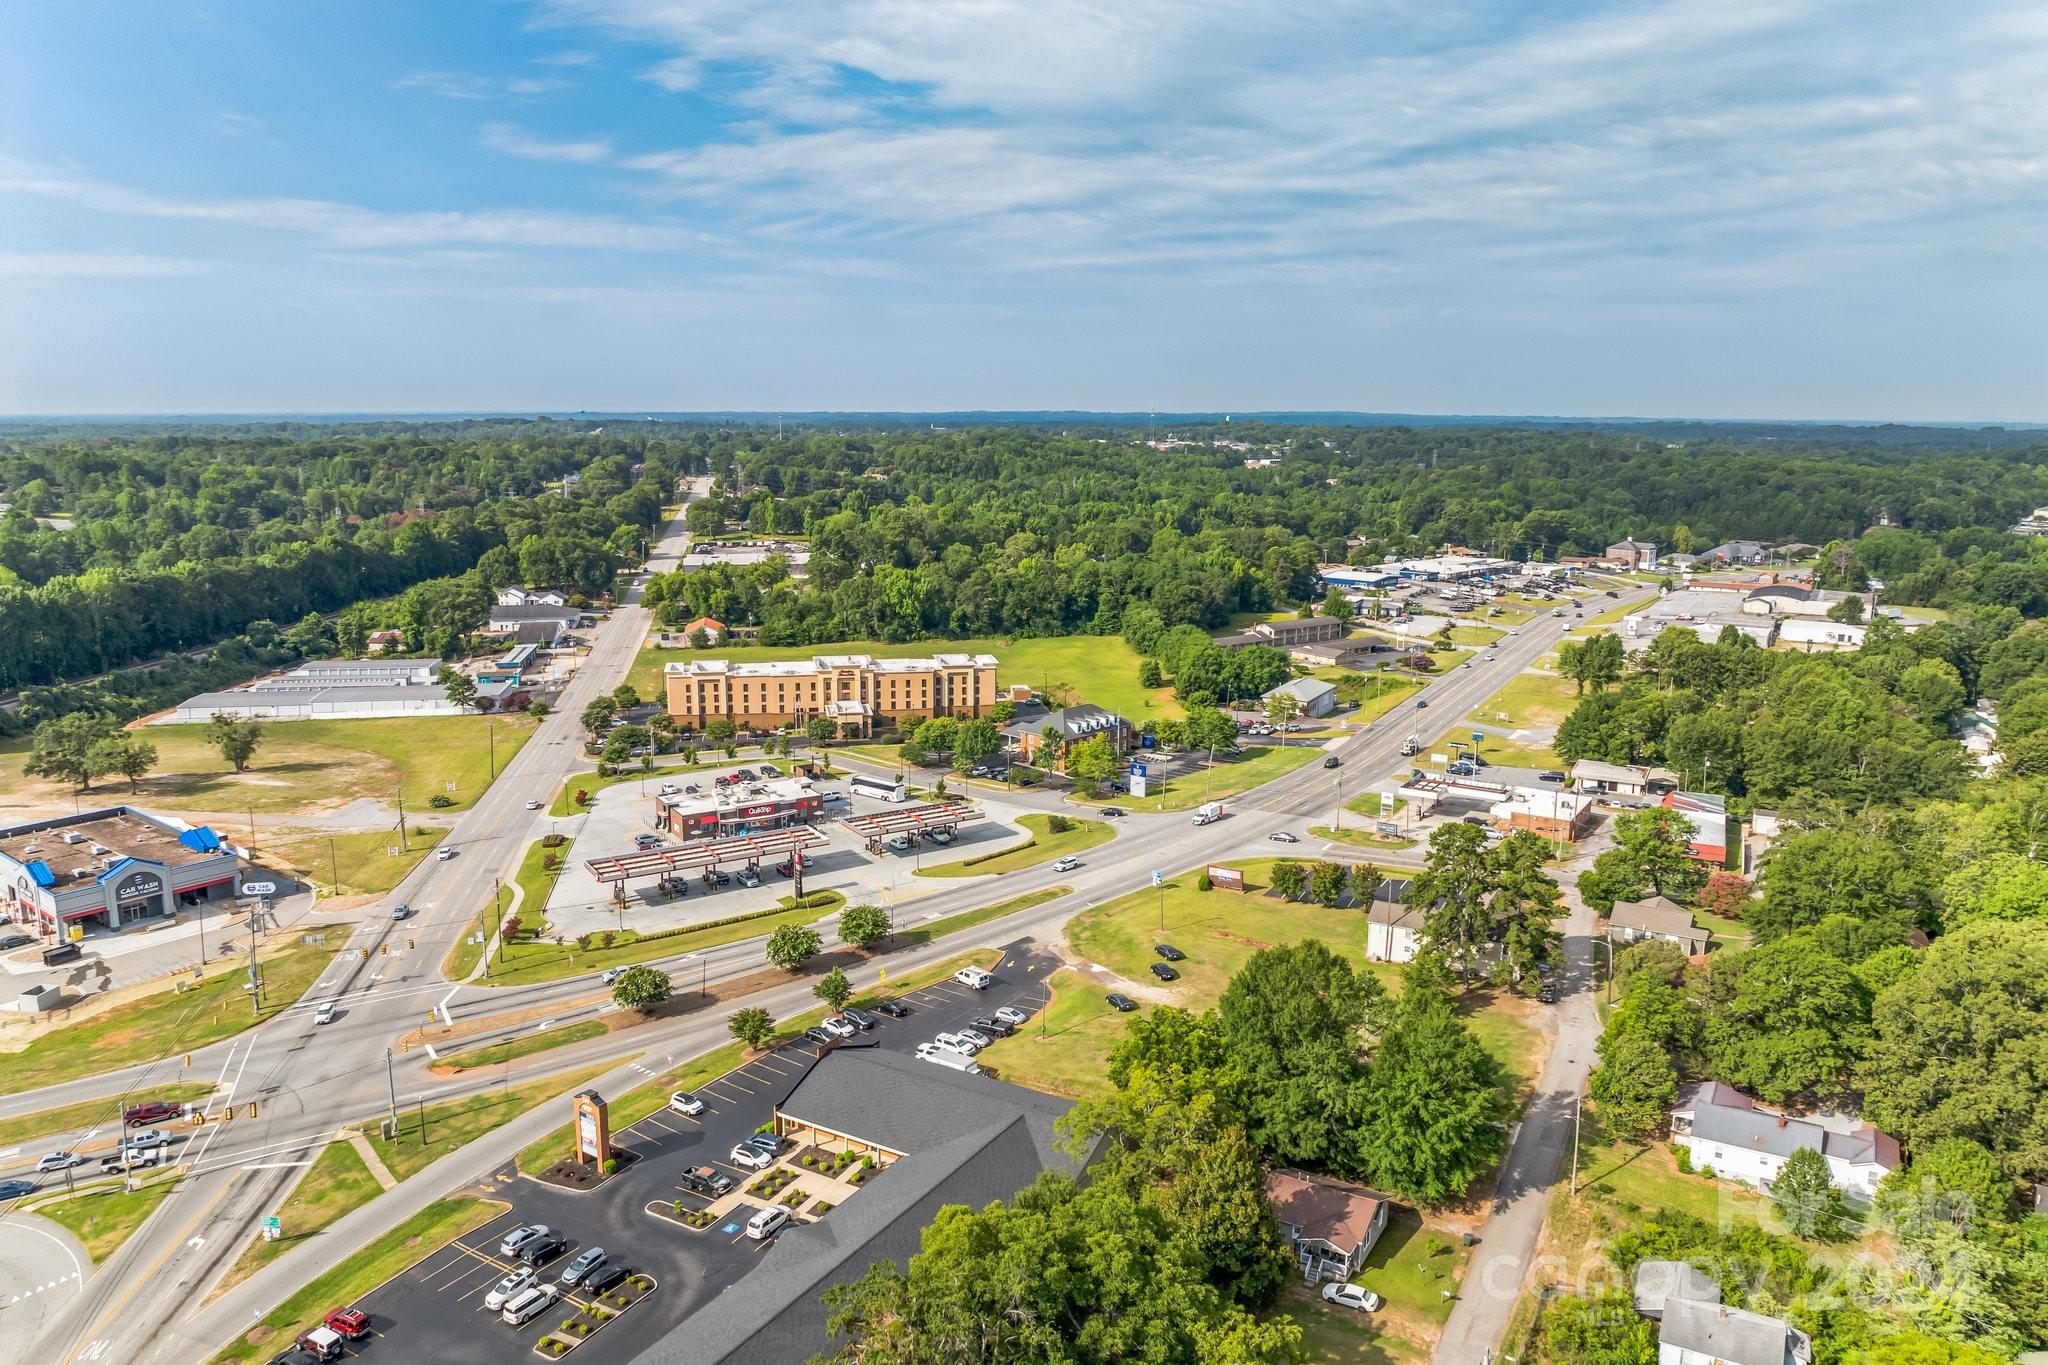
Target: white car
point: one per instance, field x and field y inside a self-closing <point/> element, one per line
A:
<point x="750" y="1158"/>
<point x="59" y="1161"/>
<point x="516" y="1239"/>
<point x="505" y="1290"/>
<point x="533" y="805"/>
<point x="974" y="978"/>
<point x="443" y="854"/>
<point x="953" y="1042"/>
<point x="669" y="789"/>
<point x="901" y="843"/>
<point x="939" y="836"/>
<point x="683" y="1102"/>
<point x="1281" y="836"/>
<point x="976" y="1037"/>
<point x="767" y="1223"/>
<point x="747" y="877"/>
<point x="611" y="974"/>
<point x="325" y="1014"/>
<point x="838" y="1027"/>
<point x="1353" y="1296"/>
<point x="1011" y="1015"/>
<point x="1066" y="864"/>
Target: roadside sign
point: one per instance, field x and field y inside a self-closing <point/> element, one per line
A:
<point x="1386" y="803"/>
<point x="1478" y="737"/>
<point x="259" y="888"/>
<point x="1439" y="758"/>
<point x="1138" y="769"/>
<point x="1157" y="877"/>
<point x="273" y="1224"/>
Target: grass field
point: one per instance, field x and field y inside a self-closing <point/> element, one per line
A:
<point x="1229" y="777"/>
<point x="363" y="862"/>
<point x="967" y="919"/>
<point x="1041" y="847"/>
<point x="418" y="1236"/>
<point x="639" y="1101"/>
<point x="564" y="804"/>
<point x="103" y="1218"/>
<point x="166" y="1023"/>
<point x="1475" y="637"/>
<point x="1372" y="699"/>
<point x="1358" y="836"/>
<point x="531" y="958"/>
<point x="1219" y="931"/>
<point x="1529" y="699"/>
<point x="523" y="1046"/>
<point x="336" y="1182"/>
<point x="314" y="763"/>
<point x="1101" y="668"/>
<point x="1510" y="753"/>
<point x="424" y="1138"/>
<point x="106" y="1112"/>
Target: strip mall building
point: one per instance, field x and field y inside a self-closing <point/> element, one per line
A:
<point x="853" y="691"/>
<point x="108" y="868"/>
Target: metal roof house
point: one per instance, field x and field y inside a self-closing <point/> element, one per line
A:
<point x="1738" y="1137"/>
<point x="1314" y="696"/>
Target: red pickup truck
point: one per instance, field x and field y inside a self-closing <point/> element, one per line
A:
<point x="150" y="1111"/>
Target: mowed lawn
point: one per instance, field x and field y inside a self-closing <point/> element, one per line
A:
<point x="1218" y="931"/>
<point x="1257" y="766"/>
<point x="1529" y="699"/>
<point x="1101" y="668"/>
<point x="363" y="863"/>
<point x="1041" y="847"/>
<point x="336" y="1182"/>
<point x="306" y="764"/>
<point x="168" y="1022"/>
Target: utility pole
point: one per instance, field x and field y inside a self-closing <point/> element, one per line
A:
<point x="1577" y="1105"/>
<point x="255" y="986"/>
<point x="402" y="848"/>
<point x="392" y="1085"/>
<point x="491" y="729"/>
<point x="333" y="866"/>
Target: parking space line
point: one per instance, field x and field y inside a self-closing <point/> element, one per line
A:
<point x="770" y="1061"/>
<point x="661" y="1123"/>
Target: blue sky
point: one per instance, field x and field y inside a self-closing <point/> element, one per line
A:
<point x="1786" y="208"/>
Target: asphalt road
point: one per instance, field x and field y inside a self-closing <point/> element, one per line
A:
<point x="307" y="1080"/>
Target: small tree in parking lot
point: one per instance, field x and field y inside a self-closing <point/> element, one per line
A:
<point x="1326" y="882"/>
<point x="862" y="926"/>
<point x="641" y="988"/>
<point x="1290" y="879"/>
<point x="834" y="989"/>
<point x="753" y="1027"/>
<point x="793" y="945"/>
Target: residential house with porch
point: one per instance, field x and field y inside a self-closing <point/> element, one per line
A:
<point x="1331" y="1226"/>
<point x="1743" y="1140"/>
<point x="1659" y="918"/>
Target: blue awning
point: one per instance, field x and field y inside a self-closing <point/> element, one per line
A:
<point x="39" y="873"/>
<point x="200" y="839"/>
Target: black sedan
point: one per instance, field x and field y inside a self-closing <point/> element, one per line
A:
<point x="1168" y="951"/>
<point x="15" y="941"/>
<point x="1112" y="811"/>
<point x="895" y="1009"/>
<point x="1122" y="1004"/>
<point x="1164" y="972"/>
<point x="15" y="1189"/>
<point x="541" y="1250"/>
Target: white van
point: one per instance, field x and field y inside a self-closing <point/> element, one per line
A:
<point x="766" y="1223"/>
<point x="974" y="978"/>
<point x="530" y="1304"/>
<point x="953" y="1061"/>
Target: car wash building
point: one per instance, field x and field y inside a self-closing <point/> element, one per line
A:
<point x="106" y="869"/>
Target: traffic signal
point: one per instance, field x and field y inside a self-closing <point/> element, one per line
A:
<point x="408" y="943"/>
<point x="383" y="950"/>
<point x="366" y="954"/>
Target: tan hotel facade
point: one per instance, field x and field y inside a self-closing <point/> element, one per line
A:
<point x="852" y="690"/>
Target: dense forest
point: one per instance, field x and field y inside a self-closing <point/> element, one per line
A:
<point x="114" y="552"/>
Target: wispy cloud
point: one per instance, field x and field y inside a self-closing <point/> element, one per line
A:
<point x="31" y="267"/>
<point x="458" y="85"/>
<point x="241" y="125"/>
<point x="352" y="226"/>
<point x="516" y="141"/>
<point x="572" y="58"/>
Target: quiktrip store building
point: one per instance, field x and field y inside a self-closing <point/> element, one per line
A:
<point x="756" y="808"/>
<point x="108" y="868"/>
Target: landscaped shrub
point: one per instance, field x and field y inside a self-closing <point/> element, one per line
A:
<point x="1058" y="824"/>
<point x="553" y="840"/>
<point x="1202" y="883"/>
<point x="440" y="801"/>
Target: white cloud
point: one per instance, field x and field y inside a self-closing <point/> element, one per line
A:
<point x="457" y="85"/>
<point x="353" y="226"/>
<point x="571" y="58"/>
<point x="515" y="141"/>
<point x="34" y="267"/>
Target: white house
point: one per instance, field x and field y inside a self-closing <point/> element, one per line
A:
<point x="1313" y="696"/>
<point x="1812" y="634"/>
<point x="1660" y="918"/>
<point x="532" y="597"/>
<point x="1725" y="1129"/>
<point x="1331" y="1227"/>
<point x="1693" y="1333"/>
<point x="1393" y="932"/>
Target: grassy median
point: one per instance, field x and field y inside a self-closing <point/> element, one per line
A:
<point x="104" y="1217"/>
<point x="336" y="1182"/>
<point x="106" y="1112"/>
<point x="1044" y="845"/>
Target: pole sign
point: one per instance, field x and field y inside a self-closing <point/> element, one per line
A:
<point x="593" y="1130"/>
<point x="1158" y="877"/>
<point x="1386" y="803"/>
<point x="1478" y="737"/>
<point x="259" y="888"/>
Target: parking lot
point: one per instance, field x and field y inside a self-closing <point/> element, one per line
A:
<point x="434" y="1310"/>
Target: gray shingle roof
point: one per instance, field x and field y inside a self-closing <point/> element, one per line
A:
<point x="1658" y="1282"/>
<point x="1657" y="915"/>
<point x="1727" y="1116"/>
<point x="1733" y="1336"/>
<point x="969" y="1140"/>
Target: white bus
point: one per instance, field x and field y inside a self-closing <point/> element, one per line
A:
<point x="890" y="789"/>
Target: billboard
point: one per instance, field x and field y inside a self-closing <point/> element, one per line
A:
<point x="1225" y="878"/>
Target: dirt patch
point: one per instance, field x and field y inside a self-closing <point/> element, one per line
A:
<point x="1254" y="944"/>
